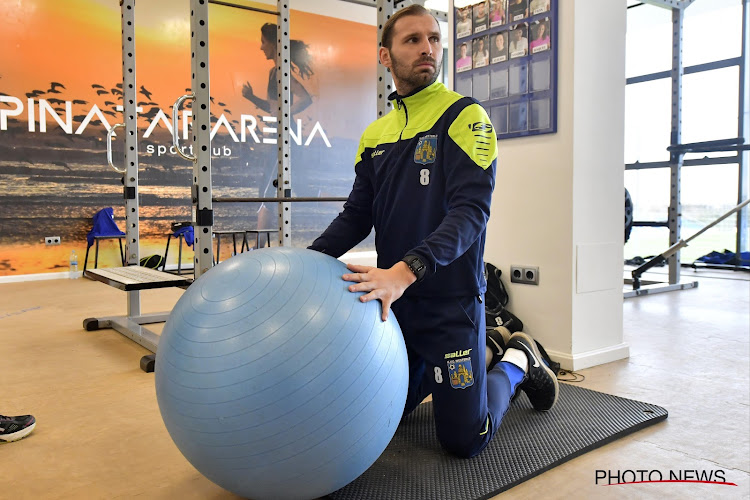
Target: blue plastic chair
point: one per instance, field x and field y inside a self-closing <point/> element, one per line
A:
<point x="104" y="228"/>
<point x="183" y="231"/>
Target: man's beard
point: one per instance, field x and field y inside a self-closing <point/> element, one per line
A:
<point x="410" y="78"/>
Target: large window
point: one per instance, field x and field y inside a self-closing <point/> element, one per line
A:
<point x="648" y="119"/>
<point x="710" y="105"/>
<point x="712" y="50"/>
<point x="648" y="40"/>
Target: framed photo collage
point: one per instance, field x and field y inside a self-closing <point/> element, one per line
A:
<point x="506" y="58"/>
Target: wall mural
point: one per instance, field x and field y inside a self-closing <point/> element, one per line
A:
<point x="61" y="89"/>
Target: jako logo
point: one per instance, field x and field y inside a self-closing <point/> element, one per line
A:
<point x="640" y="476"/>
<point x="481" y="127"/>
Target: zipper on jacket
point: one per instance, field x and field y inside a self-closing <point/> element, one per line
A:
<point x="399" y="103"/>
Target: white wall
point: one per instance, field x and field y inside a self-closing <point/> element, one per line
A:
<point x="558" y="203"/>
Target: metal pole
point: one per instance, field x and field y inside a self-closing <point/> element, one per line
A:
<point x="738" y="208"/>
<point x="130" y="178"/>
<point x="283" y="84"/>
<point x="385" y="8"/>
<point x="203" y="216"/>
<point x="744" y="129"/>
<point x="676" y="158"/>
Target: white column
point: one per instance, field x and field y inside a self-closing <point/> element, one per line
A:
<point x="559" y="199"/>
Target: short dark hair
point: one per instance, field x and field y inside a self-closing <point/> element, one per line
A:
<point x="412" y="10"/>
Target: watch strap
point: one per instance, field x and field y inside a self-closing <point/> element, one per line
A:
<point x="416" y="266"/>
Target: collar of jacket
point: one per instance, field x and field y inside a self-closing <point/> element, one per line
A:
<point x="420" y="94"/>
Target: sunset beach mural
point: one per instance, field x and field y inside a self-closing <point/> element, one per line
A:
<point x="61" y="88"/>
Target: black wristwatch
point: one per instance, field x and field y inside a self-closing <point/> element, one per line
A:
<point x="415" y="265"/>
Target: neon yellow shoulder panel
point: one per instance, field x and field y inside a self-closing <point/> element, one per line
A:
<point x="384" y="130"/>
<point x="428" y="110"/>
<point x="424" y="109"/>
<point x="473" y="132"/>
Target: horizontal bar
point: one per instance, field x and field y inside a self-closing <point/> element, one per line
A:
<point x="707" y="160"/>
<point x="721" y="149"/>
<point x="274" y="200"/>
<point x="135" y="332"/>
<point x="721" y="160"/>
<point x="443" y="16"/>
<point x="372" y="3"/>
<point x="670" y="4"/>
<point x="709" y="66"/>
<point x="650" y="224"/>
<point x="439" y="14"/>
<point x="657" y="288"/>
<point x="646" y="165"/>
<point x="724" y="63"/>
<point x="245" y="7"/>
<point x="366" y="3"/>
<point x="648" y="78"/>
<point x="706" y="144"/>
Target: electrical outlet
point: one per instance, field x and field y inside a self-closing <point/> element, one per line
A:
<point x="52" y="240"/>
<point x="516" y="274"/>
<point x="527" y="275"/>
<point x="531" y="275"/>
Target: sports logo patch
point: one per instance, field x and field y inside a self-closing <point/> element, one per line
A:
<point x="481" y="127"/>
<point x="426" y="150"/>
<point x="460" y="373"/>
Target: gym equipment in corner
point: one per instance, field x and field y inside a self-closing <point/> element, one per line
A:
<point x="660" y="259"/>
<point x="671" y="256"/>
<point x="133" y="278"/>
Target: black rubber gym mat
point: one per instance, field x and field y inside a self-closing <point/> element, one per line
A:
<point x="414" y="467"/>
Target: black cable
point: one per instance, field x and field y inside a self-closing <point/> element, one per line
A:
<point x="570" y="376"/>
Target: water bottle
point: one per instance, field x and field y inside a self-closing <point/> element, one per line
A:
<point x="73" y="264"/>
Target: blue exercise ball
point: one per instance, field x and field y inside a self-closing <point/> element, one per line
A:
<point x="275" y="381"/>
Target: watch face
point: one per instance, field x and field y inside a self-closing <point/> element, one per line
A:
<point x="417" y="266"/>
